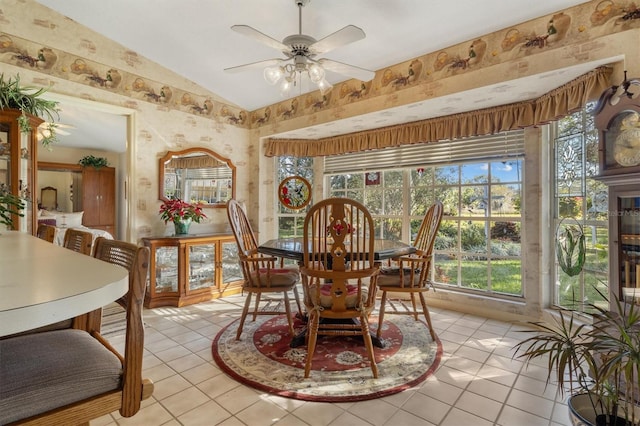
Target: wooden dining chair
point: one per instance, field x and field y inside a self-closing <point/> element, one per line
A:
<point x="46" y="232"/>
<point x="72" y="376"/>
<point x="411" y="273"/>
<point x="338" y="273"/>
<point x="78" y="240"/>
<point x="262" y="274"/>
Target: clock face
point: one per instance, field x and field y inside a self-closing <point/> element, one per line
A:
<point x="623" y="140"/>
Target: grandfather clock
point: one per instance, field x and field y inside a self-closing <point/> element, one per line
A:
<point x="617" y="118"/>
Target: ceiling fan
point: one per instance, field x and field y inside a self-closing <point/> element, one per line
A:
<point x="300" y="51"/>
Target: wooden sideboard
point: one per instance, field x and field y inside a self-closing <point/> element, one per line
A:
<point x="193" y="268"/>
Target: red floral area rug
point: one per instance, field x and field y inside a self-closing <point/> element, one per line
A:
<point x="340" y="372"/>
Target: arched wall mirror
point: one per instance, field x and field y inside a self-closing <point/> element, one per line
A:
<point x="197" y="175"/>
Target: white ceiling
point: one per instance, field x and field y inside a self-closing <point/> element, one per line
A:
<point x="194" y="39"/>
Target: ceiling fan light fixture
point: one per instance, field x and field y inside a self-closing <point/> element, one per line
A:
<point x="300" y="51"/>
<point x="316" y="73"/>
<point x="286" y="86"/>
<point x="273" y="74"/>
<point x="324" y="86"/>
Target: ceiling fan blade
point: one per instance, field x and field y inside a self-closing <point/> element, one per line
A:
<point x="348" y="70"/>
<point x="253" y="65"/>
<point x="346" y="35"/>
<point x="261" y="37"/>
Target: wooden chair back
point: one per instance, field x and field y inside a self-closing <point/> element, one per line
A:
<point x="424" y="243"/>
<point x="78" y="240"/>
<point x="262" y="274"/>
<point x="134" y="259"/>
<point x="241" y="228"/>
<point x="46" y="232"/>
<point x="338" y="246"/>
<point x="339" y="271"/>
<point x="412" y="274"/>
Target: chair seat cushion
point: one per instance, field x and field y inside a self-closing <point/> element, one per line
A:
<point x="280" y="277"/>
<point x="325" y="295"/>
<point x="390" y="277"/>
<point x="43" y="371"/>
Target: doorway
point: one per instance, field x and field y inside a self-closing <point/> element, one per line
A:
<point x="90" y="128"/>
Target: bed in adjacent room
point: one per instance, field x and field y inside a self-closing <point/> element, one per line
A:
<point x="67" y="220"/>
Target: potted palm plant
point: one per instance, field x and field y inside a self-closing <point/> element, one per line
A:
<point x="598" y="364"/>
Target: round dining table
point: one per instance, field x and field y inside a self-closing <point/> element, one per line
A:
<point x="43" y="283"/>
<point x="293" y="248"/>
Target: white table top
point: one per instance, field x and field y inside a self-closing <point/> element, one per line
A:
<point x="42" y="283"/>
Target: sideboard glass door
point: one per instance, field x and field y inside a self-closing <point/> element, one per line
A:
<point x="231" y="271"/>
<point x="201" y="266"/>
<point x="166" y="270"/>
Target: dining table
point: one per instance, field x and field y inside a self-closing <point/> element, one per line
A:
<point x="293" y="248"/>
<point x="42" y="283"/>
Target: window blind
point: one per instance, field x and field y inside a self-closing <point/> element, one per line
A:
<point x="502" y="145"/>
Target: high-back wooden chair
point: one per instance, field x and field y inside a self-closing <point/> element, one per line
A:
<point x="72" y="376"/>
<point x="338" y="273"/>
<point x="78" y="240"/>
<point x="262" y="274"/>
<point x="46" y="232"/>
<point x="412" y="274"/>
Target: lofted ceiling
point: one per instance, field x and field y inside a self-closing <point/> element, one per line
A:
<point x="193" y="38"/>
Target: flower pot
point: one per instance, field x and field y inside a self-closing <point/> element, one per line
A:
<point x="582" y="413"/>
<point x="182" y="226"/>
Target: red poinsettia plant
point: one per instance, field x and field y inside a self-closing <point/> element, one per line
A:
<point x="175" y="209"/>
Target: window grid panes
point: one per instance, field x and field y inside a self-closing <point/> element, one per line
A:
<point x="479" y="243"/>
<point x="580" y="207"/>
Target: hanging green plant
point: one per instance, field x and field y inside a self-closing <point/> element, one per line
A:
<point x="27" y="99"/>
<point x="96" y="162"/>
<point x="570" y="247"/>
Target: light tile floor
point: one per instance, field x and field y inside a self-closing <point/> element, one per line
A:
<point x="478" y="383"/>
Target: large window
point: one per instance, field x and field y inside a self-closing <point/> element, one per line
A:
<point x="580" y="214"/>
<point x="480" y="182"/>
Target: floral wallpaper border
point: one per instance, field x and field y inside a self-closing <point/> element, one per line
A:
<point x="578" y="24"/>
<point x="26" y="54"/>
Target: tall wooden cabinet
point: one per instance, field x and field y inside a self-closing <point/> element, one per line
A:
<point x="18" y="165"/>
<point x="99" y="198"/>
<point x="187" y="269"/>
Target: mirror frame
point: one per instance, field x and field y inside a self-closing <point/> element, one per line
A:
<point x="171" y="154"/>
